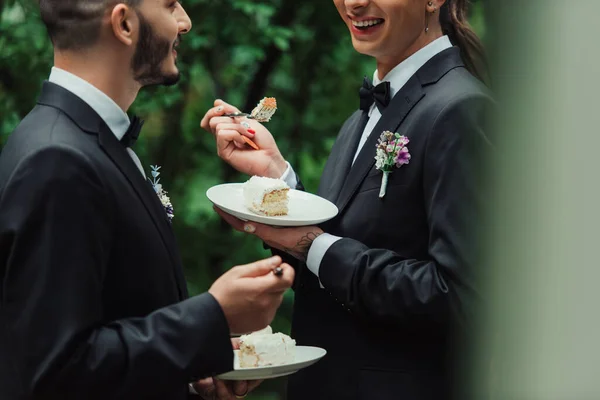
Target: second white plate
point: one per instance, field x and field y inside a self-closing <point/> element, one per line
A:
<point x="304" y="208"/>
<point x="305" y="357"/>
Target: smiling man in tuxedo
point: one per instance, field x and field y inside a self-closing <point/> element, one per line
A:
<point x="389" y="286"/>
<point x="93" y="301"/>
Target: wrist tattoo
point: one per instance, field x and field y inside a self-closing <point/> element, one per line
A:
<point x="300" y="250"/>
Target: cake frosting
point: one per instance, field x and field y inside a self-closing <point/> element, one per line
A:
<point x="266" y="196"/>
<point x="264" y="348"/>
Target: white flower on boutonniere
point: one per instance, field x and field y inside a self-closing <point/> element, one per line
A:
<point x="391" y="153"/>
<point x="161" y="193"/>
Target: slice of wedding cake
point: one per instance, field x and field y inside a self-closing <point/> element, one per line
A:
<point x="265" y="109"/>
<point x="266" y="196"/>
<point x="263" y="348"/>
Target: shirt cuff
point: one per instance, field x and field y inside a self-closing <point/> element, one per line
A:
<point x="317" y="251"/>
<point x="192" y="390"/>
<point x="289" y="176"/>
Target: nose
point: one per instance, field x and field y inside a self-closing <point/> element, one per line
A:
<point x="183" y="20"/>
<point x="354" y="4"/>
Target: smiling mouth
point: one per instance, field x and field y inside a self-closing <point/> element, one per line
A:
<point x="174" y="48"/>
<point x="176" y="43"/>
<point x="364" y="25"/>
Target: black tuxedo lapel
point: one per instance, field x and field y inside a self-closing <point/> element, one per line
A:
<point x="89" y="121"/>
<point x="402" y="103"/>
<point x="144" y="189"/>
<point x="342" y="154"/>
<point x="393" y="116"/>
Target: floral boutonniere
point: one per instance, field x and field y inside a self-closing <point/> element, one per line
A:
<point x="391" y="152"/>
<point x="160" y="192"/>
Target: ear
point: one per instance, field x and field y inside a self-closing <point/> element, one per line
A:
<point x="438" y="3"/>
<point x="123" y="21"/>
<point x="434" y="6"/>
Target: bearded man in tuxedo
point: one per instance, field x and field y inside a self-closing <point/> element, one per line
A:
<point x="93" y="300"/>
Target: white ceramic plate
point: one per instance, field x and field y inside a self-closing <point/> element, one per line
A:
<point x="304" y="208"/>
<point x="305" y="356"/>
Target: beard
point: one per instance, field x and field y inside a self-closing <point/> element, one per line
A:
<point x="150" y="54"/>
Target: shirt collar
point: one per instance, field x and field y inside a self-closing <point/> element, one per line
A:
<point x="402" y="72"/>
<point x="116" y="119"/>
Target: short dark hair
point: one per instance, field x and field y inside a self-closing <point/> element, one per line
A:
<point x="75" y="24"/>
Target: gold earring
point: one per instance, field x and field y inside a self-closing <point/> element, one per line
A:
<point x="430" y="4"/>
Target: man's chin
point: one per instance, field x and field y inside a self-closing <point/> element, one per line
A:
<point x="172" y="79"/>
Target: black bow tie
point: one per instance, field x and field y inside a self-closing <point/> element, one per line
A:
<point x="379" y="94"/>
<point x="133" y="132"/>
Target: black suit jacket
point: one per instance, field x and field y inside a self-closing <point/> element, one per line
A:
<point x="401" y="282"/>
<point x="92" y="295"/>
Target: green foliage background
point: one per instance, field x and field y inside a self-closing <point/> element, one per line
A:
<point x="239" y="51"/>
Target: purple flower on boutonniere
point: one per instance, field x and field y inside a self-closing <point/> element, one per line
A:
<point x="392" y="152"/>
<point x="161" y="193"/>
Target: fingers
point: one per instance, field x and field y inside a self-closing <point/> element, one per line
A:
<point x="216" y="121"/>
<point x="219" y="109"/>
<point x="240" y="388"/>
<point x="264" y="279"/>
<point x="242" y="128"/>
<point x="259" y="268"/>
<point x="248" y="129"/>
<point x="225" y="138"/>
<point x="212" y="113"/>
<point x="220" y="102"/>
<point x="235" y="343"/>
<point x="228" y="133"/>
<point x="260" y="230"/>
<point x="234" y="390"/>
<point x="275" y="284"/>
<point x="222" y="391"/>
<point x="239" y="123"/>
<point x="205" y="387"/>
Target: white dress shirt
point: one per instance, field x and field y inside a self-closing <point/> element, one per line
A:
<point x="398" y="77"/>
<point x="116" y="119"/>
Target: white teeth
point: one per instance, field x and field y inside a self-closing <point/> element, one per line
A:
<point x="370" y="22"/>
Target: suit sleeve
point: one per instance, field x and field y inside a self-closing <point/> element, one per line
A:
<point x="381" y="285"/>
<point x="56" y="224"/>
